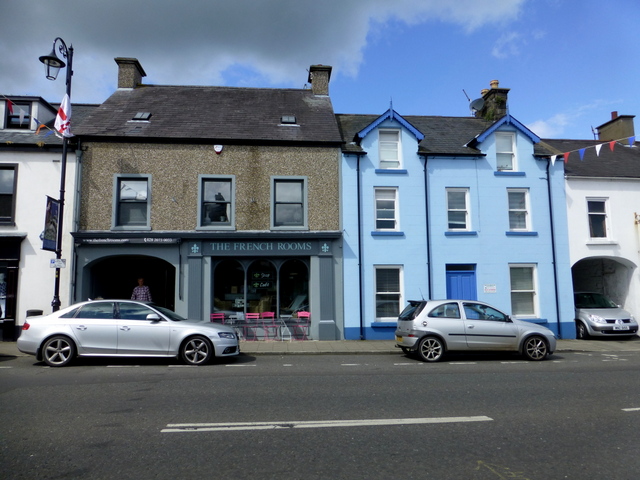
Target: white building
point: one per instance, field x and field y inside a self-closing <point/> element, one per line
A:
<point x="30" y="170"/>
<point x="603" y="206"/>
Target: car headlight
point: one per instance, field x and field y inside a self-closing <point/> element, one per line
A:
<point x="597" y="318"/>
<point x="228" y="335"/>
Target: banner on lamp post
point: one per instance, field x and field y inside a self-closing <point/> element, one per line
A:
<point x="51" y="225"/>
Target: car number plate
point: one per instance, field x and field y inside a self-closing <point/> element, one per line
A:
<point x="398" y="339"/>
<point x="621" y="327"/>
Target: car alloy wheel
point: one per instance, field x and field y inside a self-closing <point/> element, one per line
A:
<point x="581" y="331"/>
<point x="431" y="349"/>
<point x="197" y="351"/>
<point x="58" y="351"/>
<point x="535" y="348"/>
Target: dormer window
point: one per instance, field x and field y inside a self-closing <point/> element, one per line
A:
<point x="505" y="152"/>
<point x="389" y="148"/>
<point x="18" y="115"/>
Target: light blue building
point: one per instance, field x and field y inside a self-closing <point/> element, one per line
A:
<point x="452" y="207"/>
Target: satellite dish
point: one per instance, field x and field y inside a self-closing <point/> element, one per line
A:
<point x="476" y="105"/>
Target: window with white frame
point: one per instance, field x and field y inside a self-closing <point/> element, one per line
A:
<point x="388" y="291"/>
<point x="597" y="211"/>
<point x="289" y="203"/>
<point x="132" y="201"/>
<point x="505" y="151"/>
<point x="216" y="201"/>
<point x="386" y="208"/>
<point x="523" y="290"/>
<point x="8" y="180"/>
<point x="18" y="115"/>
<point x="389" y="148"/>
<point x="518" y="209"/>
<point x="458" y="209"/>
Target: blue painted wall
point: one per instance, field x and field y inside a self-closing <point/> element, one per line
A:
<point x="489" y="246"/>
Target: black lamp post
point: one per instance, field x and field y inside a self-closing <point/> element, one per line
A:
<point x="52" y="65"/>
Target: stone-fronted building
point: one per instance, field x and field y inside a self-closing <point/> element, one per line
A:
<point x="225" y="200"/>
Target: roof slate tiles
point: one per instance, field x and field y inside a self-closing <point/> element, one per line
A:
<point x="221" y="114"/>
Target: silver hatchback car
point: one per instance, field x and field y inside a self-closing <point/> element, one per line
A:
<point x="432" y="327"/>
<point x="123" y="328"/>
<point x="596" y="315"/>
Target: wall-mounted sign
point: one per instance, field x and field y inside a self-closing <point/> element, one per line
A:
<point x="490" y="288"/>
<point x="217" y="149"/>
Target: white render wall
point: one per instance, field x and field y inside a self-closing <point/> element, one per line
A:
<point x="623" y="244"/>
<point x="39" y="176"/>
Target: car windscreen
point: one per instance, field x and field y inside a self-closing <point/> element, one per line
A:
<point x="593" y="300"/>
<point x="411" y="311"/>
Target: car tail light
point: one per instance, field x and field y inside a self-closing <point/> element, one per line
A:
<point x="25" y="326"/>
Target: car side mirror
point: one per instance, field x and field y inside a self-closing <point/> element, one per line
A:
<point x="154" y="317"/>
<point x="509" y="319"/>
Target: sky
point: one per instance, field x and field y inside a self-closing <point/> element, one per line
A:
<point x="568" y="63"/>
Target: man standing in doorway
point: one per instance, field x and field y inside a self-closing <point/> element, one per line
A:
<point x="141" y="292"/>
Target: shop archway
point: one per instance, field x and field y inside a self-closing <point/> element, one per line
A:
<point x="115" y="277"/>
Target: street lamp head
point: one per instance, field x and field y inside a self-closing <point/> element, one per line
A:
<point x="52" y="64"/>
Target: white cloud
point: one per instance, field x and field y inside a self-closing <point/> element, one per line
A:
<point x="552" y="127"/>
<point x="209" y="42"/>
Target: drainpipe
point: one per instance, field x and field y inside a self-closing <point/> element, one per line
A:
<point x="553" y="245"/>
<point x="427" y="227"/>
<point x="360" y="266"/>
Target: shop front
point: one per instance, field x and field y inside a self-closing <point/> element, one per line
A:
<point x="269" y="288"/>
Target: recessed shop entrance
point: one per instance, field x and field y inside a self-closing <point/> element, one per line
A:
<point x="116" y="276"/>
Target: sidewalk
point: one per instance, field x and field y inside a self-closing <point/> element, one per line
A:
<point x="9" y="349"/>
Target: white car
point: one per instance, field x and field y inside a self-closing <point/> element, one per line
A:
<point x="430" y="328"/>
<point x="123" y="328"/>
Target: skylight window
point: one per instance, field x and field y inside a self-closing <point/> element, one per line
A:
<point x="288" y="119"/>
<point x="142" y="116"/>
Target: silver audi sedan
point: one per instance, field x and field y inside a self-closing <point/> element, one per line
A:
<point x="123" y="328"/>
<point x="430" y="328"/>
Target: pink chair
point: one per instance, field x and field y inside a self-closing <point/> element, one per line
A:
<point x="251" y="325"/>
<point x="269" y="325"/>
<point x="301" y="326"/>
<point x="217" y="318"/>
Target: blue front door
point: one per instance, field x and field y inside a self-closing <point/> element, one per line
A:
<point x="461" y="284"/>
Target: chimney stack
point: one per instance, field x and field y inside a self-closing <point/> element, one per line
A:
<point x="495" y="102"/>
<point x="130" y="72"/>
<point x="619" y="127"/>
<point x="319" y="76"/>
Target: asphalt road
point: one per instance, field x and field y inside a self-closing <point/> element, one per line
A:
<point x="574" y="416"/>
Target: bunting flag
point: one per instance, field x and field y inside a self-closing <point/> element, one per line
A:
<point x="10" y="106"/>
<point x="598" y="147"/>
<point x="63" y="119"/>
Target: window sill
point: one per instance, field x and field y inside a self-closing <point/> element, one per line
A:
<point x="521" y="234"/>
<point x="137" y="228"/>
<point x="376" y="233"/>
<point x="392" y="171"/>
<point x="466" y="233"/>
<point x="210" y="228"/>
<point x="502" y="173"/>
<point x="604" y="241"/>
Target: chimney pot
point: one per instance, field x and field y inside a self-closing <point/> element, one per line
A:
<point x="494" y="83"/>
